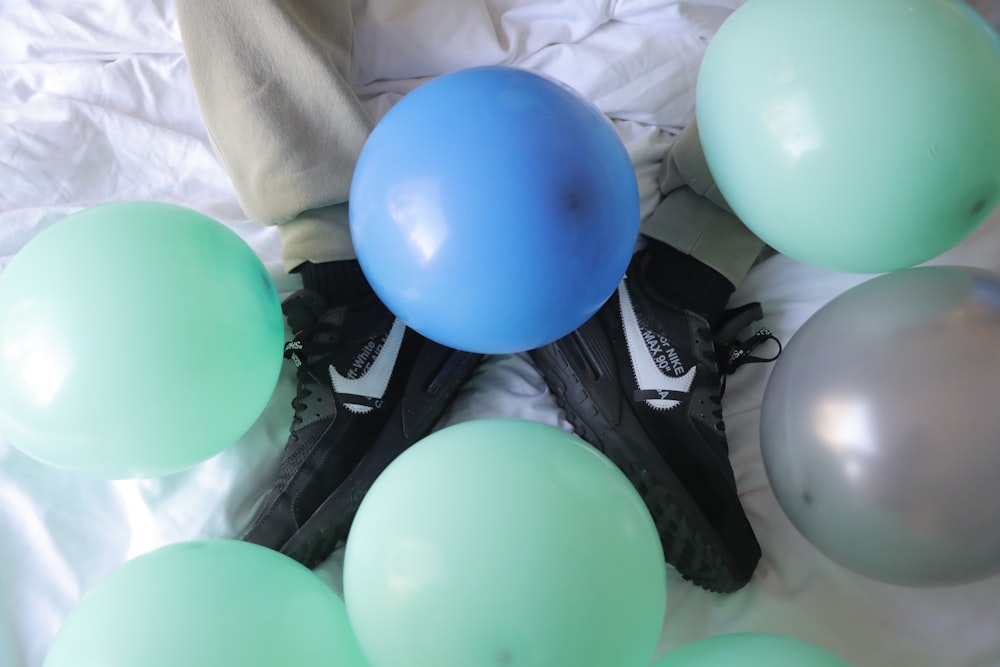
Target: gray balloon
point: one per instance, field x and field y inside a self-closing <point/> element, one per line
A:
<point x="880" y="427"/>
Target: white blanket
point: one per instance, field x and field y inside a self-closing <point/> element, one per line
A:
<point x="96" y="105"/>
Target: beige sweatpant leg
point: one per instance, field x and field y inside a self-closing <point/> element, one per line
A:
<point x="273" y="80"/>
<point x="694" y="217"/>
<point x="274" y="85"/>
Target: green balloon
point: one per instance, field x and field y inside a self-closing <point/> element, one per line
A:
<point x="856" y="135"/>
<point x="747" y="649"/>
<point x="212" y="603"/>
<point x="136" y="339"/>
<point x="502" y="542"/>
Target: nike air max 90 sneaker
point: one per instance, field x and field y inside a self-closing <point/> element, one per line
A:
<point x="368" y="388"/>
<point x="642" y="382"/>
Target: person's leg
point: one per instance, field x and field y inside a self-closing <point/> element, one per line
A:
<point x="273" y="81"/>
<point x="700" y="251"/>
<point x="641" y="380"/>
<point x="274" y="86"/>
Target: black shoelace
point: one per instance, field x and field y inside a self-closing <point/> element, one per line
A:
<point x="729" y="353"/>
<point x="311" y="350"/>
<point x="733" y="352"/>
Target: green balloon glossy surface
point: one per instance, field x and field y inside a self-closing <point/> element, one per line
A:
<point x="857" y="135"/>
<point x="750" y="649"/>
<point x="503" y="542"/>
<point x="211" y="603"/>
<point x="136" y="339"/>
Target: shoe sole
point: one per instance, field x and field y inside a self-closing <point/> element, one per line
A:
<point x="417" y="413"/>
<point x="690" y="543"/>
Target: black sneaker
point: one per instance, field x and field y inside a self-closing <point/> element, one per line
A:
<point x="641" y="382"/>
<point x="368" y="388"/>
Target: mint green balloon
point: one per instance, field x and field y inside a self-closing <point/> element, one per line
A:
<point x="855" y="135"/>
<point x="748" y="649"/>
<point x="211" y="603"/>
<point x="504" y="543"/>
<point x="136" y="339"/>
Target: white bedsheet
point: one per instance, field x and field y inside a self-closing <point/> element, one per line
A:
<point x="96" y="105"/>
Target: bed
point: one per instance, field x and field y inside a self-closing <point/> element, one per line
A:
<point x="96" y="105"/>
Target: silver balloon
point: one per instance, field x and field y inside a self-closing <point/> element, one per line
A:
<point x="880" y="427"/>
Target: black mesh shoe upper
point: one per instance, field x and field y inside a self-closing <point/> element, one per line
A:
<point x="641" y="382"/>
<point x="354" y="364"/>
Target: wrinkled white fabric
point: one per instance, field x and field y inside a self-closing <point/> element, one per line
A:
<point x="96" y="105"/>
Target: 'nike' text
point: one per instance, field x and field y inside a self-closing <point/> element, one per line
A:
<point x="664" y="355"/>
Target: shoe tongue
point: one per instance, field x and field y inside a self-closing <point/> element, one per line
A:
<point x="302" y="310"/>
<point x="361" y="330"/>
<point x="657" y="333"/>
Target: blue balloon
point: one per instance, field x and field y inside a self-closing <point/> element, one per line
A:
<point x="494" y="210"/>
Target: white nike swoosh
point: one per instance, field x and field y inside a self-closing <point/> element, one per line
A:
<point x="647" y="373"/>
<point x="375" y="380"/>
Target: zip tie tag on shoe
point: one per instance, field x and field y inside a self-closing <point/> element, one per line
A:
<point x="658" y="395"/>
<point x="291" y="348"/>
